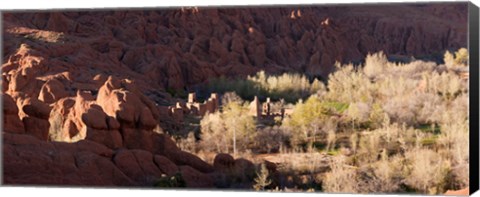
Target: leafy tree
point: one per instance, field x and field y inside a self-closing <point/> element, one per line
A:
<point x="213" y="133"/>
<point x="358" y="112"/>
<point x="228" y="130"/>
<point x="314" y="117"/>
<point x="239" y="126"/>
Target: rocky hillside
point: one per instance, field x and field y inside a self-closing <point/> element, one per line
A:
<point x="82" y="90"/>
<point x="175" y="48"/>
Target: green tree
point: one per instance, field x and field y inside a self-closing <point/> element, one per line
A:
<point x="240" y="127"/>
<point x="213" y="133"/>
<point x="230" y="130"/>
<point x="308" y="118"/>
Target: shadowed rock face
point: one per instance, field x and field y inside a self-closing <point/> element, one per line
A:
<point x="82" y="145"/>
<point x="81" y="89"/>
<point x="176" y="48"/>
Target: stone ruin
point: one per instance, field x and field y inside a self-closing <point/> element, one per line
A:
<point x="262" y="111"/>
<point x="193" y="107"/>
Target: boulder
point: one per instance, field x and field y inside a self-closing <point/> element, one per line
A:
<point x="30" y="161"/>
<point x="52" y="91"/>
<point x="36" y="127"/>
<point x="196" y="179"/>
<point x="165" y="165"/>
<point x="11" y="121"/>
<point x="121" y="100"/>
<point x="138" y="165"/>
<point x="223" y="161"/>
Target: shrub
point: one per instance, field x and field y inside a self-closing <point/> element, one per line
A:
<point x="262" y="180"/>
<point x="428" y="170"/>
<point x="455" y="138"/>
<point x="449" y="59"/>
<point x="174" y="181"/>
<point x="447" y="84"/>
<point x="358" y="112"/>
<point x="188" y="144"/>
<point x="230" y="97"/>
<point x="288" y="86"/>
<point x="384" y="176"/>
<point x="375" y="64"/>
<point x="461" y="56"/>
<point x="272" y="138"/>
<point x="341" y="178"/>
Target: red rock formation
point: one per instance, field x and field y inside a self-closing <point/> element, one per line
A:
<point x="11" y="121"/>
<point x="461" y="192"/>
<point x="87" y="163"/>
<point x="138" y="165"/>
<point x="78" y="118"/>
<point x="173" y="49"/>
<point x="51" y="91"/>
<point x="165" y="165"/>
<point x="196" y="179"/>
<point x="96" y="79"/>
<point x="35" y="162"/>
<point x="223" y="161"/>
<point x="118" y="116"/>
<point x="35" y="117"/>
<point x="122" y="101"/>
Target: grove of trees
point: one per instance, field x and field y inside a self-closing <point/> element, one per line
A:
<point x="388" y="127"/>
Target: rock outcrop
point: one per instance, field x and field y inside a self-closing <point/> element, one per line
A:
<point x="35" y="117"/>
<point x="176" y="48"/>
<point x="78" y="118"/>
<point x="461" y="192"/>
<point x="96" y="140"/>
<point x="86" y="163"/>
<point x="11" y="121"/>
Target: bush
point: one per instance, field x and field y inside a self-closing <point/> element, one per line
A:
<point x="461" y="56"/>
<point x="455" y="138"/>
<point x="428" y="171"/>
<point x="288" y="86"/>
<point x="459" y="60"/>
<point x="174" y="181"/>
<point x="384" y="176"/>
<point x="230" y="97"/>
<point x="272" y="139"/>
<point x="262" y="179"/>
<point x="341" y="178"/>
<point x="187" y="144"/>
<point x="375" y="64"/>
